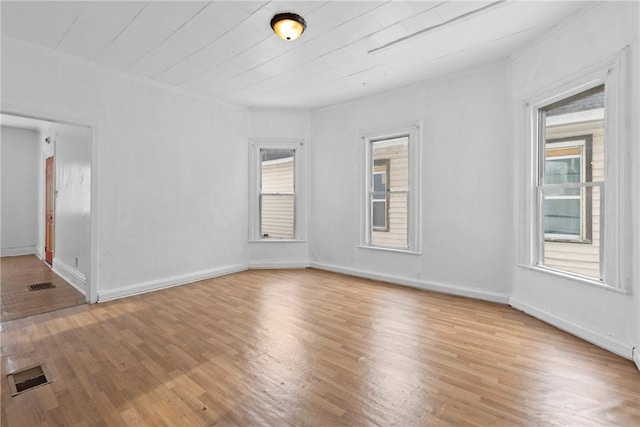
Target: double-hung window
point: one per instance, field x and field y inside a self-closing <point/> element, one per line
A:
<point x="571" y="182"/>
<point x="391" y="200"/>
<point x="568" y="214"/>
<point x="277" y="193"/>
<point x="276" y="202"/>
<point x="575" y="221"/>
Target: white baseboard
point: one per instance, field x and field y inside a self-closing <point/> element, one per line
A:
<point x="169" y="282"/>
<point x="26" y="250"/>
<point x="636" y="357"/>
<point x="71" y="274"/>
<point x="605" y="342"/>
<point x="277" y="265"/>
<point x="415" y="283"/>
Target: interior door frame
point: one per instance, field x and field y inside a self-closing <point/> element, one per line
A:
<point x="91" y="295"/>
<point x="48" y="195"/>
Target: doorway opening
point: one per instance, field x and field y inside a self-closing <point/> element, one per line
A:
<point x="47" y="217"/>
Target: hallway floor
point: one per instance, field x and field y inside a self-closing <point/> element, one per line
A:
<point x="17" y="273"/>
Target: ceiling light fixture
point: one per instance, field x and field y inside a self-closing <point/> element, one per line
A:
<point x="288" y="26"/>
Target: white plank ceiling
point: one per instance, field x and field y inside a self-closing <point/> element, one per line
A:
<point x="226" y="49"/>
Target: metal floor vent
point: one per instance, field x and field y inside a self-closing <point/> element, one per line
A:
<point x="28" y="379"/>
<point x="40" y="286"/>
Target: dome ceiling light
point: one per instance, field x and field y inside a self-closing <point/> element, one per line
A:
<point x="288" y="26"/>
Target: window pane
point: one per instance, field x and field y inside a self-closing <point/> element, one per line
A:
<point x="277" y="216"/>
<point x="562" y="170"/>
<point x="379" y="194"/>
<point x="562" y="216"/>
<point x="396" y="153"/>
<point x="582" y="257"/>
<point x="277" y="169"/>
<point x="379" y="210"/>
<point x="389" y="192"/>
<point x="573" y="154"/>
<point x="396" y="236"/>
<point x="277" y="184"/>
<point x="590" y="99"/>
<point x="379" y="182"/>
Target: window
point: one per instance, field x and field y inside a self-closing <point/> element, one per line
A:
<point x="380" y="195"/>
<point x="391" y="182"/>
<point x="571" y="183"/>
<point x="575" y="177"/>
<point x="567" y="216"/>
<point x="275" y="204"/>
<point x="277" y="193"/>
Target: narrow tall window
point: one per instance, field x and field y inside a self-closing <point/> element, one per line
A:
<point x="277" y="194"/>
<point x="380" y="195"/>
<point x="276" y="190"/>
<point x="571" y="184"/>
<point x="392" y="189"/>
<point x="389" y="192"/>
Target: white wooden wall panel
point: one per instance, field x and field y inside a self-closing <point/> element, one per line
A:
<point x="212" y="22"/>
<point x="99" y="23"/>
<point x="246" y="60"/>
<point x="42" y="22"/>
<point x="155" y="23"/>
<point x="236" y="41"/>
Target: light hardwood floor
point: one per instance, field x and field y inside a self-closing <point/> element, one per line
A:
<point x="17" y="273"/>
<point x="306" y="347"/>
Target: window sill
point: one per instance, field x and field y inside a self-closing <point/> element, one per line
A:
<point x="379" y="248"/>
<point x="576" y="278"/>
<point x="277" y="241"/>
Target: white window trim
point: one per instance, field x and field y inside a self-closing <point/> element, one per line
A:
<point x="414" y="220"/>
<point x="615" y="265"/>
<point x="255" y="145"/>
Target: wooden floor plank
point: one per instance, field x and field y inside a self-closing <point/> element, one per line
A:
<point x="19" y="272"/>
<point x="307" y="347"/>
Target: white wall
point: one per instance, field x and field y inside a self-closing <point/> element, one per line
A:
<point x="73" y="203"/>
<point x="285" y="125"/>
<point x="170" y="168"/>
<point x="599" y="315"/>
<point x="19" y="209"/>
<point x="634" y="156"/>
<point x="466" y="184"/>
